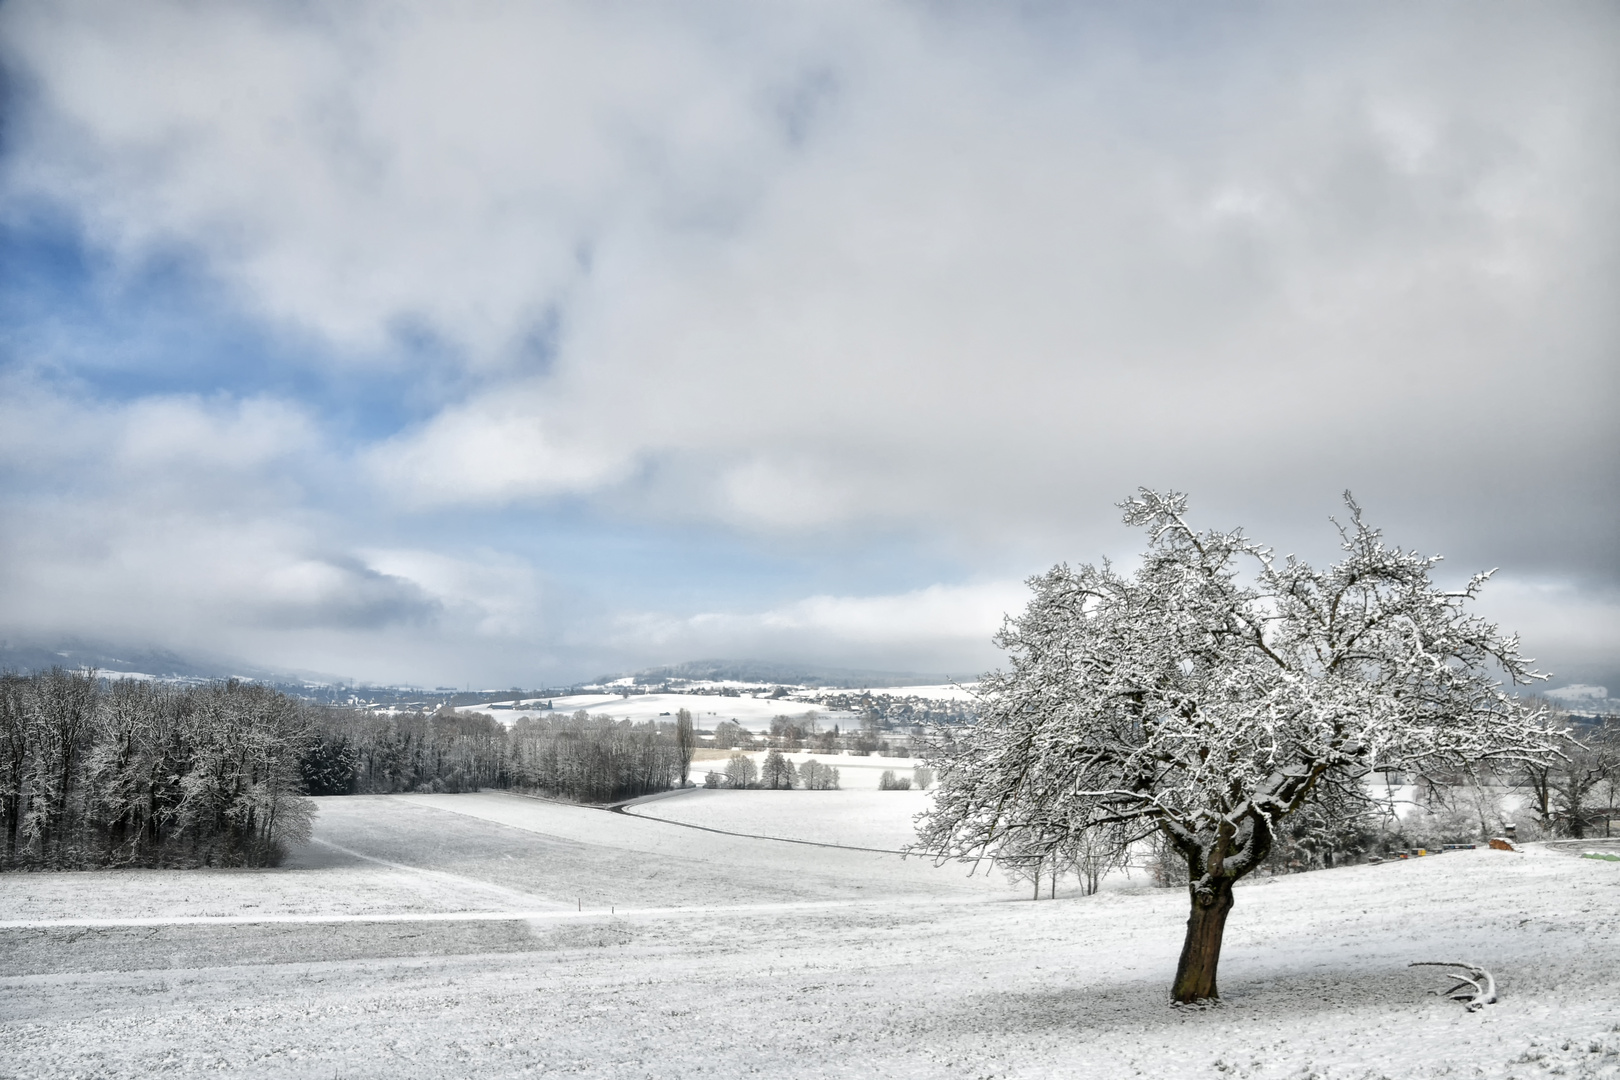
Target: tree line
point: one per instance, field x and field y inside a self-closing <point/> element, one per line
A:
<point x="98" y="772"/>
<point x="582" y="758"/>
<point x="130" y="773"/>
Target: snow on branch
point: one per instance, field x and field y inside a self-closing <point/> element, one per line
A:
<point x="1216" y="690"/>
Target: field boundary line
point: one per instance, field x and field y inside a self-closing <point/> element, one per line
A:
<point x="440" y="876"/>
<point x="625" y="810"/>
<point x="486" y="916"/>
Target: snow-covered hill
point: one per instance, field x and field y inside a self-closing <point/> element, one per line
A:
<point x="495" y="936"/>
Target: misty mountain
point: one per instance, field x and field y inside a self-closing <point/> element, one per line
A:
<point x="109" y="658"/>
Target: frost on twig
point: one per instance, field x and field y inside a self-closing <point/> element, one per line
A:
<point x="1477" y="987"/>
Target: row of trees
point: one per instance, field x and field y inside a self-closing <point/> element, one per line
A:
<point x="806" y="733"/>
<point x="139" y="774"/>
<point x="1572" y="792"/>
<point x="776" y="772"/>
<point x="581" y="757"/>
<point x="126" y="773"/>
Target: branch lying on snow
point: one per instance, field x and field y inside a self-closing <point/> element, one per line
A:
<point x="1483" y="983"/>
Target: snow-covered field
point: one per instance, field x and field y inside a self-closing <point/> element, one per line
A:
<point x="491" y="936"/>
<point x="753" y="713"/>
<point x="753" y="708"/>
<point x="862" y="818"/>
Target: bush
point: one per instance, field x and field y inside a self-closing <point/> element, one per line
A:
<point x="889" y="782"/>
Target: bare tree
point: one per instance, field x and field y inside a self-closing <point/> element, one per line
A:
<point x="14" y="756"/>
<point x="62" y="706"/>
<point x="1562" y="788"/>
<point x="685" y="741"/>
<point x="741" y="772"/>
<point x="777" y="772"/>
<point x="818" y="776"/>
<point x="1589" y="763"/>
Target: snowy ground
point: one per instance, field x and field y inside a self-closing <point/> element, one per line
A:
<point x="491" y="936"/>
<point x="863" y="818"/>
<point x="707" y="710"/>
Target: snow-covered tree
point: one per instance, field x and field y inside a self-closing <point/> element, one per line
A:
<point x="741" y="772"/>
<point x="818" y="776"/>
<point x="685" y="741"/>
<point x="777" y="772"/>
<point x="1206" y="704"/>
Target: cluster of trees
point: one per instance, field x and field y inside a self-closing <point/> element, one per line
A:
<point x="1089" y="856"/>
<point x="806" y="733"/>
<point x="1571" y="792"/>
<point x="580" y="757"/>
<point x="1215" y="695"/>
<point x="354" y="752"/>
<point x="598" y="759"/>
<point x="128" y="773"/>
<point x="140" y="774"/>
<point x="1577" y="792"/>
<point x="776" y="772"/>
<point x="922" y="776"/>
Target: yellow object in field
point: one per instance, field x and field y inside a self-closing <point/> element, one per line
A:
<point x="1423" y="851"/>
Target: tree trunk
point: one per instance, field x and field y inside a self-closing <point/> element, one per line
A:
<point x="13" y="817"/>
<point x="1201" y="951"/>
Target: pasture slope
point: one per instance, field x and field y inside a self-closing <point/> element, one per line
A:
<point x="495" y="936"/>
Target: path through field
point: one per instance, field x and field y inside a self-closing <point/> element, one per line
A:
<point x="491" y="936"/>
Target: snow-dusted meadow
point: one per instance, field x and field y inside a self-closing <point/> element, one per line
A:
<point x="753" y="712"/>
<point x="491" y="935"/>
<point x="750" y="704"/>
<point x="862" y="817"/>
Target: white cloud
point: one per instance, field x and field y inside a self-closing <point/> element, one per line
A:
<point x="959" y="276"/>
<point x="177" y="518"/>
<point x="384" y="167"/>
<point x="1572" y="630"/>
<point x="487" y="593"/>
<point x="494" y="452"/>
<point x="941" y="627"/>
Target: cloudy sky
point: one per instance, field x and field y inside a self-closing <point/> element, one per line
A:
<point x="517" y="343"/>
